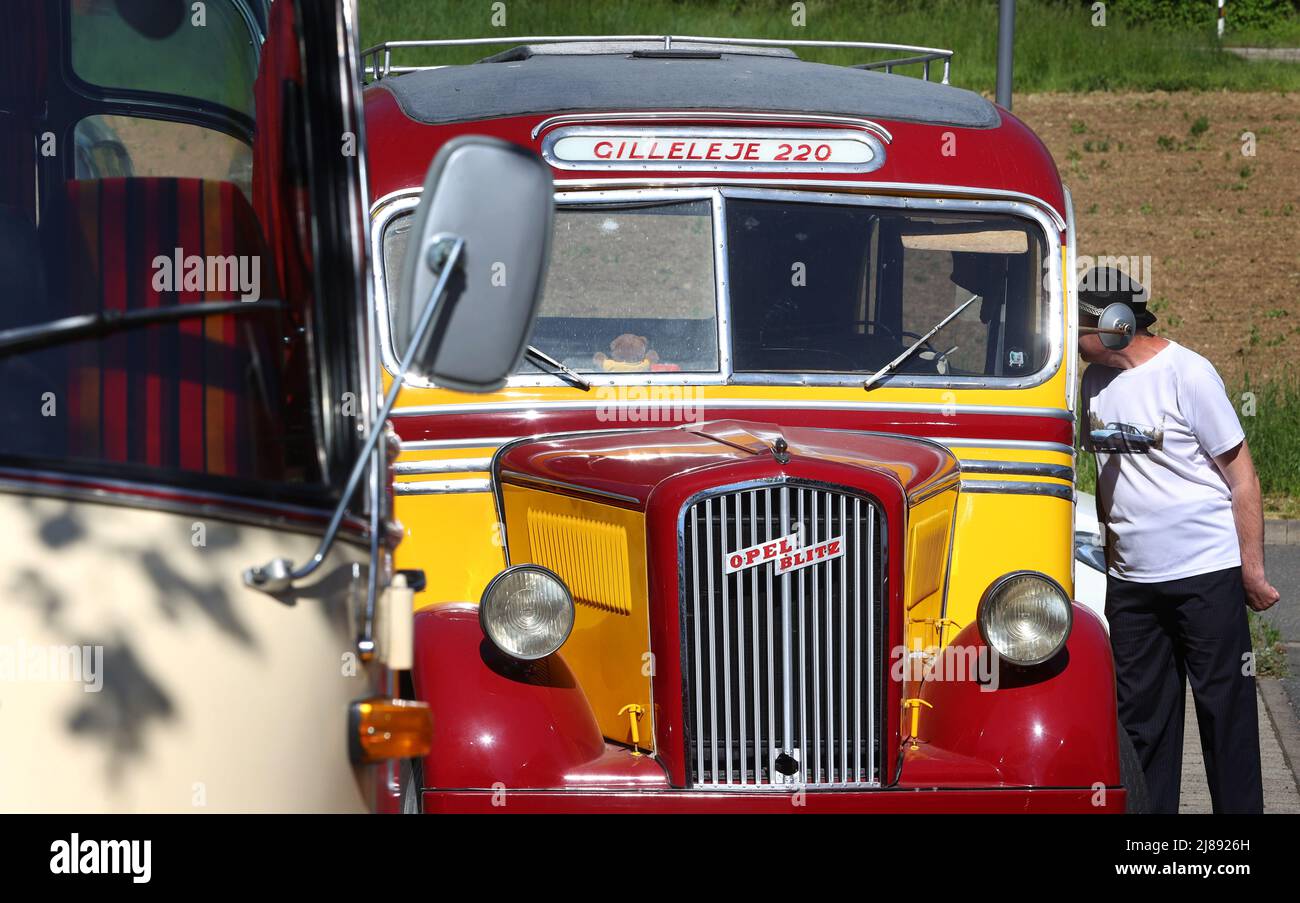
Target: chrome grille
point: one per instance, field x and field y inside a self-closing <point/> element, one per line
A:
<point x="781" y="670"/>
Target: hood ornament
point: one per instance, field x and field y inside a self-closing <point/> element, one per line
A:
<point x="781" y="451"/>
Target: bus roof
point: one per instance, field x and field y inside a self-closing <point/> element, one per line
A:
<point x="554" y="78"/>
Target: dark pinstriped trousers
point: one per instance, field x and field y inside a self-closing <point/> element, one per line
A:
<point x="1163" y="634"/>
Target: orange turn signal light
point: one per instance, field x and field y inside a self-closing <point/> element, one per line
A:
<point x="382" y="728"/>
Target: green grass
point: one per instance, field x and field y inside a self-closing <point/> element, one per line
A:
<point x="1270" y="651"/>
<point x="1272" y="424"/>
<point x="1286" y="34"/>
<point x="1273" y="434"/>
<point x="1057" y="49"/>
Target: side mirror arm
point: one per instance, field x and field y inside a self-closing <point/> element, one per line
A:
<point x="279" y="574"/>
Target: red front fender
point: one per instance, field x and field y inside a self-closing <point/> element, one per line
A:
<point x="497" y="722"/>
<point x="1052" y="725"/>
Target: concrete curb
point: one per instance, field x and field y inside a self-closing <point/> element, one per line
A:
<point x="1285" y="54"/>
<point x="1286" y="726"/>
<point x="1281" y="532"/>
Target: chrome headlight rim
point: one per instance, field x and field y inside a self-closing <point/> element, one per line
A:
<point x="487" y="594"/>
<point x="995" y="587"/>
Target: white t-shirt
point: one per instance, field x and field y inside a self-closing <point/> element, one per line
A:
<point x="1167" y="507"/>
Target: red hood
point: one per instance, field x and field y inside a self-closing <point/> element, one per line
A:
<point x="626" y="466"/>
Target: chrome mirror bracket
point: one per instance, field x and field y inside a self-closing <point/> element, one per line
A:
<point x="275" y="576"/>
<point x="279" y="575"/>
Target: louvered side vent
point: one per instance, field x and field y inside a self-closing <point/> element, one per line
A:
<point x="590" y="556"/>
<point x="927" y="558"/>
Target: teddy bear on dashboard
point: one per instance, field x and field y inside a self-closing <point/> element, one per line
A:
<point x="628" y="354"/>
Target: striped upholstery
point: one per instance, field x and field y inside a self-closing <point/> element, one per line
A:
<point x="183" y="394"/>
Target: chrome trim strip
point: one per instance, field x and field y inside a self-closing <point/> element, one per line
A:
<point x="1018" y="487"/>
<point x="771" y="647"/>
<point x="787" y="669"/>
<point x="872" y="578"/>
<point x="947" y="573"/>
<point x="713" y="657"/>
<point x="442" y="487"/>
<point x="515" y="476"/>
<point x="918" y="54"/>
<point x="947" y="442"/>
<point x="1019" y="468"/>
<point x="723" y="133"/>
<point x="755" y="657"/>
<point x="930" y="490"/>
<point x="699" y="679"/>
<point x="1071" y="289"/>
<point x="218" y="506"/>
<point x="844" y="649"/>
<point x="722" y="286"/>
<point x="697" y="116"/>
<point x="446" y="465"/>
<point x="473" y="442"/>
<point x="431" y="410"/>
<point x="951" y="443"/>
<point x="921" y="190"/>
<point x="726" y="632"/>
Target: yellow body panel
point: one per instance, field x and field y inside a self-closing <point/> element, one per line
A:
<point x="995" y="534"/>
<point x="608" y="650"/>
<point x="455" y="539"/>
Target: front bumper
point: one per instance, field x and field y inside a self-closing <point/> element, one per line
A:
<point x="930" y="801"/>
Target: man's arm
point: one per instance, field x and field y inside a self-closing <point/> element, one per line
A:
<point x="1102" y="529"/>
<point x="1247" y="510"/>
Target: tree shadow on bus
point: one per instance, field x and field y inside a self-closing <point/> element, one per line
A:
<point x="330" y="593"/>
<point x="175" y="591"/>
<point x="119" y="716"/>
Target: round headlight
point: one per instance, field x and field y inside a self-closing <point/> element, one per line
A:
<point x="1025" y="617"/>
<point x="526" y="611"/>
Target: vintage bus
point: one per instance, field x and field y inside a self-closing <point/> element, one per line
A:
<point x="777" y="510"/>
<point x="200" y="609"/>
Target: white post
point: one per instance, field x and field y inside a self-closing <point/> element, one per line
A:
<point x="1221" y="14"/>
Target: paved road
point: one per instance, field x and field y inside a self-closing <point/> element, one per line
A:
<point x="1281" y="795"/>
<point x="1280" y="789"/>
<point x="1282" y="563"/>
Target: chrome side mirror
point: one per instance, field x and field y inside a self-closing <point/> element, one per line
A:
<point x="496" y="199"/>
<point x="1117" y="325"/>
<point x="471" y="287"/>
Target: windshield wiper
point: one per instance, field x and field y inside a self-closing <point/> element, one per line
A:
<point x="69" y="329"/>
<point x="555" y="368"/>
<point x="911" y="349"/>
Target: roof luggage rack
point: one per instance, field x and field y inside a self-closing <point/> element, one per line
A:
<point x="377" y="61"/>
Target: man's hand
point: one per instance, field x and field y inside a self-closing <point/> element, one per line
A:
<point x="1260" y="594"/>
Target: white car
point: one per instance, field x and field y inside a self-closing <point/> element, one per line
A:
<point x="1090" y="557"/>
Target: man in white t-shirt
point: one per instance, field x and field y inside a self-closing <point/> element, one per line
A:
<point x="1180" y="501"/>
